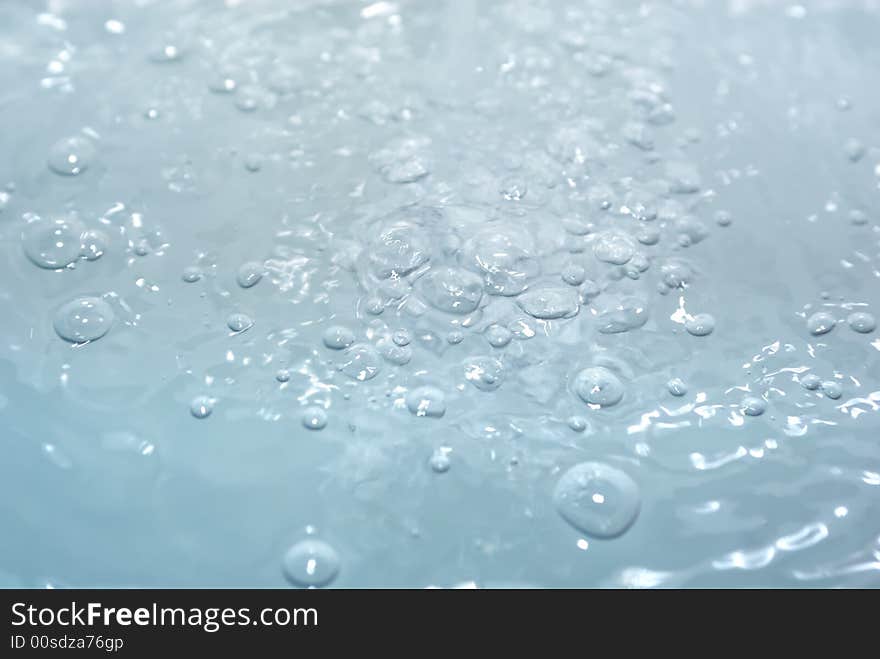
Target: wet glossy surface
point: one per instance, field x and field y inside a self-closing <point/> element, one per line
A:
<point x="347" y="293"/>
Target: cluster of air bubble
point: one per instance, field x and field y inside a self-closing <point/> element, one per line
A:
<point x="468" y="263"/>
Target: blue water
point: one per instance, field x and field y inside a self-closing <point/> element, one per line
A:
<point x="461" y="293"/>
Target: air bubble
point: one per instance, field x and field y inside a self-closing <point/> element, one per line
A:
<point x="573" y="274"/>
<point x="549" y="303"/>
<point x="440" y="462"/>
<point x="811" y="382"/>
<point x="71" y="156"/>
<point x="676" y="387"/>
<point x="454" y="338"/>
<point x="614" y="248"/>
<point x="858" y="217"/>
<point x="723" y="219"/>
<point x="314" y="418"/>
<point x="832" y="389"/>
<point x="311" y="564"/>
<point x="861" y="322"/>
<point x="84" y="319"/>
<point x="503" y="259"/>
<point x="820" y="323"/>
<point x="93" y="244"/>
<point x="484" y="372"/>
<point x="577" y="423"/>
<point x="393" y="353"/>
<point x="498" y="336"/>
<point x="648" y="236"/>
<point x="401" y="337"/>
<point x="452" y="290"/>
<point x="597" y="385"/>
<point x="361" y="362"/>
<point x="597" y="499"/>
<point x="426" y="401"/>
<point x="253" y="162"/>
<point x="854" y="150"/>
<point x="753" y="406"/>
<point x="53" y="244"/>
<point x="201" y="407"/>
<point x="191" y="275"/>
<point x="619" y="315"/>
<point x="374" y="306"/>
<point x="165" y="53"/>
<point x="398" y="249"/>
<point x="250" y="274"/>
<point x="239" y="322"/>
<point x="513" y="188"/>
<point x="701" y="324"/>
<point x="338" y="337"/>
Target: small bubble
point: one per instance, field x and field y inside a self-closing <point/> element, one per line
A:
<point x="614" y="248"/>
<point x="250" y="274"/>
<point x="53" y="244"/>
<point x="247" y="103"/>
<point x="648" y="236"/>
<point x="239" y="322"/>
<point x="93" y="244"/>
<point x="753" y="406"/>
<point x="84" y="319"/>
<point x="484" y="372"/>
<point x="440" y="462"/>
<point x="401" y="337"/>
<point x="701" y="324"/>
<point x="374" y="306"/>
<point x="426" y="401"/>
<point x="597" y="385"/>
<point x="820" y="323"/>
<point x="311" y="564"/>
<point x="454" y="338"/>
<point x="452" y="290"/>
<point x="142" y="248"/>
<point x="253" y="162"/>
<point x="574" y="274"/>
<point x="398" y="248"/>
<point x="361" y="362"/>
<point x="621" y="314"/>
<point x="283" y="375"/>
<point x="597" y="499"/>
<point x="314" y="418"/>
<point x="114" y="27"/>
<point x="549" y="303"/>
<point x="858" y="217"/>
<point x="577" y="423"/>
<point x="832" y="389"/>
<point x="861" y="322"/>
<point x="854" y="150"/>
<point x="676" y="274"/>
<point x="723" y="219"/>
<point x="222" y="84"/>
<point x="811" y="382"/>
<point x="676" y="387"/>
<point x="71" y="156"/>
<point x="393" y="353"/>
<point x="338" y="337"/>
<point x="498" y="336"/>
<point x="191" y="275"/>
<point x="166" y="52"/>
<point x="513" y="188"/>
<point x="201" y="407"/>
